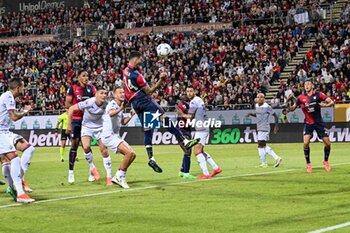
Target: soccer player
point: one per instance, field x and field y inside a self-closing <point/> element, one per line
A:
<point x="12" y="167"/>
<point x="138" y="93"/>
<point x="62" y="123"/>
<point x="197" y="111"/>
<point x="92" y="124"/>
<point x="311" y="102"/>
<point x="112" y="121"/>
<point x="184" y="106"/>
<point x="77" y="93"/>
<point x="263" y="111"/>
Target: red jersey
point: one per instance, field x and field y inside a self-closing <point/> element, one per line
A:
<point x="311" y="106"/>
<point x="80" y="94"/>
<point x="184" y="106"/>
<point x="133" y="83"/>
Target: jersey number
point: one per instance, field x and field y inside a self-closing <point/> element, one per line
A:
<point x="131" y="86"/>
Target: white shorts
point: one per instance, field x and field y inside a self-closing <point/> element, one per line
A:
<point x="203" y="136"/>
<point x="263" y="136"/>
<point x="6" y="144"/>
<point x="14" y="137"/>
<point x="85" y="131"/>
<point x="112" y="142"/>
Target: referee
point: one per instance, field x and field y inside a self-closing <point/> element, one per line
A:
<point x="61" y="125"/>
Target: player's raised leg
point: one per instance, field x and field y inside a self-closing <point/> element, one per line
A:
<point x="148" y="135"/>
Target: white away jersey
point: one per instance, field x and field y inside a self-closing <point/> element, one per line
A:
<point x="111" y="125"/>
<point x="7" y="102"/>
<point x="197" y="108"/>
<point x="263" y="113"/>
<point x="92" y="113"/>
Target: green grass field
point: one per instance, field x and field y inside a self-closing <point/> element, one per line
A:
<point x="242" y="198"/>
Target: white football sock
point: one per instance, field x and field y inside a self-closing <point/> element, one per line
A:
<point x="120" y="173"/>
<point x="108" y="166"/>
<point x="210" y="160"/>
<point x="16" y="175"/>
<point x="26" y="158"/>
<point x="202" y="163"/>
<point x="6" y="171"/>
<point x="262" y="155"/>
<point x="88" y="157"/>
<point x="271" y="152"/>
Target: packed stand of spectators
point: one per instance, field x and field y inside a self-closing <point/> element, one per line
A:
<point x="327" y="64"/>
<point x="228" y="68"/>
<point x="112" y="15"/>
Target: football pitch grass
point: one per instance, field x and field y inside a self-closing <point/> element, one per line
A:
<point x="242" y="198"/>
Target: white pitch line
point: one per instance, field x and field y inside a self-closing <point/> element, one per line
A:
<point x="346" y="224"/>
<point x="158" y="186"/>
<point x="144" y="188"/>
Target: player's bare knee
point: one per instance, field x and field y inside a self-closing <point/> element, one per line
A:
<point x="75" y="144"/>
<point x="11" y="155"/>
<point x="327" y="144"/>
<point x="87" y="149"/>
<point x="133" y="155"/>
<point x="130" y="154"/>
<point x="104" y="153"/>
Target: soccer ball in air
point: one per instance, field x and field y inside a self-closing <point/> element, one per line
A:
<point x="164" y="50"/>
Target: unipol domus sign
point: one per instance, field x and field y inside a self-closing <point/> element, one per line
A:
<point x="33" y="5"/>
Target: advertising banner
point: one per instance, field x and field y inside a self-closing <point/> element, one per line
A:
<point x="227" y="117"/>
<point x="34" y="5"/>
<point x="342" y="112"/>
<point x="228" y="134"/>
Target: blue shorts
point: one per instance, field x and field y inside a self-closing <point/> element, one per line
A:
<point x="76" y="129"/>
<point x="146" y="105"/>
<point x="318" y="127"/>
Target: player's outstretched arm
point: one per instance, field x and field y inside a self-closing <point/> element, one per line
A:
<point x="328" y="103"/>
<point x="71" y="111"/>
<point x="69" y="101"/>
<point x="15" y="115"/>
<point x="293" y="107"/>
<point x="149" y="90"/>
<point x="251" y="114"/>
<point x="180" y="113"/>
<point x="114" y="111"/>
<point x="126" y="120"/>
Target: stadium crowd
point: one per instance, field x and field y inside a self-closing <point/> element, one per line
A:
<point x="113" y="15"/>
<point x="228" y="67"/>
<point x="327" y="63"/>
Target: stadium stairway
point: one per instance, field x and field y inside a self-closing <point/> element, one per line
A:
<point x="290" y="68"/>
